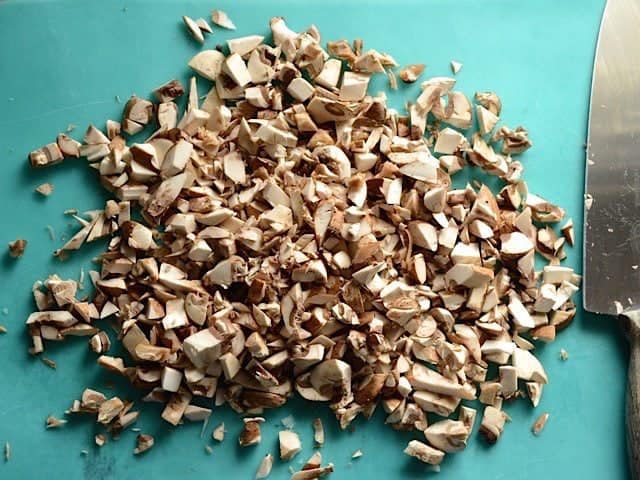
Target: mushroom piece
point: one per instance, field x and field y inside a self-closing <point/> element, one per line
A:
<point x="331" y="375"/>
<point x="17" y="247"/>
<point x="539" y="424"/>
<point x="492" y="424"/>
<point x="144" y="442"/>
<point x="265" y="466"/>
<point x="410" y="73"/>
<point x="318" y="432"/>
<point x="251" y="434"/>
<point x="424" y="452"/>
<point x="447" y="435"/>
<point x="528" y="367"/>
<point x="218" y="433"/>
<point x="221" y="19"/>
<point x="193" y="29"/>
<point x="289" y="444"/>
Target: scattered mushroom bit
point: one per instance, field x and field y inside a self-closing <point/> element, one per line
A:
<point x="7" y="451"/>
<point x="318" y="432"/>
<point x="424" y="452"/>
<point x="297" y="235"/>
<point x="264" y="469"/>
<point x="143" y="443"/>
<point x="221" y="19"/>
<point x="250" y="434"/>
<point x="289" y="444"/>
<point x="218" y="433"/>
<point x="100" y="439"/>
<point x="17" y="247"/>
<point x="45" y="189"/>
<point x="53" y="422"/>
<point x="539" y="424"/>
<point x="410" y="73"/>
<point x="49" y="363"/>
<point x="313" y="469"/>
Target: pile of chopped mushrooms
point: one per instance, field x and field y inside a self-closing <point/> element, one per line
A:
<point x="298" y="235"/>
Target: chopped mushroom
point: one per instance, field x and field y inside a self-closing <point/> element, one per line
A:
<point x="17" y="248"/>
<point x="539" y="424"/>
<point x="410" y="73"/>
<point x="53" y="422"/>
<point x="318" y="432"/>
<point x="289" y="444"/>
<point x="193" y="28"/>
<point x="204" y="26"/>
<point x="447" y="435"/>
<point x="48" y="155"/>
<point x="265" y="466"/>
<point x="492" y="424"/>
<point x="250" y="434"/>
<point x="221" y="19"/>
<point x="45" y="189"/>
<point x="424" y="452"/>
<point x="218" y="433"/>
<point x="144" y="442"/>
<point x="455" y="67"/>
<point x="297" y="233"/>
<point x="313" y="469"/>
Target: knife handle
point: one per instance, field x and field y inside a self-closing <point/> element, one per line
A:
<point x="632" y="321"/>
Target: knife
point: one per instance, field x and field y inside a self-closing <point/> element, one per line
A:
<point x="612" y="193"/>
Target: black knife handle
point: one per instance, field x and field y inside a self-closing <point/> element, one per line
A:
<point x="632" y="324"/>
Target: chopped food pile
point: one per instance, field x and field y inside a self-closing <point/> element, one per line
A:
<point x="297" y="235"/>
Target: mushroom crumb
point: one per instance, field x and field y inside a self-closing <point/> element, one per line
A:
<point x="289" y="232"/>
<point x="318" y="432"/>
<point x="218" y="433"/>
<point x="312" y="469"/>
<point x="264" y="469"/>
<point x="588" y="201"/>
<point x="564" y="355"/>
<point x="250" y="434"/>
<point x="424" y="452"/>
<point x="7" y="451"/>
<point x="193" y="29"/>
<point x="539" y="424"/>
<point x="45" y="189"/>
<point x="357" y="454"/>
<point x="100" y="439"/>
<point x="53" y="422"/>
<point x="289" y="444"/>
<point x="410" y="73"/>
<point x="17" y="247"/>
<point x="49" y="363"/>
<point x="143" y="443"/>
<point x="221" y="19"/>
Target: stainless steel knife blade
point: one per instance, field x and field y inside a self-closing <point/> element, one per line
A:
<point x="612" y="186"/>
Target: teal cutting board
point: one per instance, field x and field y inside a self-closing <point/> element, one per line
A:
<point x="67" y="62"/>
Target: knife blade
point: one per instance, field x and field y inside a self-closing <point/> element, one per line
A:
<point x="612" y="193"/>
<point x="612" y="223"/>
